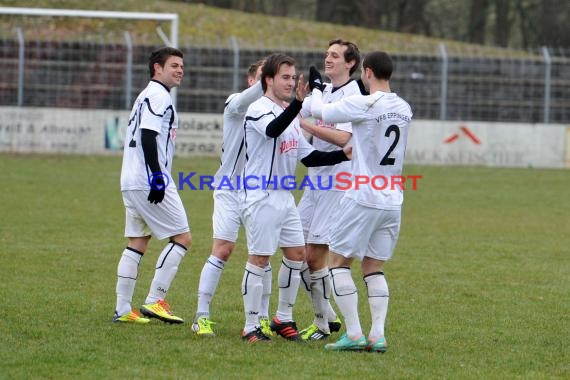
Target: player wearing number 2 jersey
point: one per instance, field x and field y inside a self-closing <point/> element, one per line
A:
<point x="368" y="222"/>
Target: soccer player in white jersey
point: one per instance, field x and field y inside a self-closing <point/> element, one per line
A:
<point x="368" y="220"/>
<point x="342" y="59"/>
<point x="274" y="143"/>
<point x="152" y="203"/>
<point x="226" y="218"/>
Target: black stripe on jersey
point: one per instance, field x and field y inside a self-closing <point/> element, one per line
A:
<point x="341" y="86"/>
<point x="245" y="134"/>
<point x="169" y="129"/>
<point x="272" y="158"/>
<point x="237" y="156"/>
<point x="162" y="84"/>
<point x="138" y="115"/>
<point x="375" y="101"/>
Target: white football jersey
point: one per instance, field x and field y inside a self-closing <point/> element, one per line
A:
<point x="233" y="144"/>
<point x="330" y="96"/>
<point x="271" y="158"/>
<point x="152" y="110"/>
<point x="380" y="124"/>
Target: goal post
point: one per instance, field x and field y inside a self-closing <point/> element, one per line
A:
<point x="170" y="17"/>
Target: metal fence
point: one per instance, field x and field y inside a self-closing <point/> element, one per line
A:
<point x="107" y="72"/>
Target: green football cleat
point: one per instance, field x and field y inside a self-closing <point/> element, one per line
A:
<point x="203" y="327"/>
<point x="379" y="346"/>
<point x="160" y="310"/>
<point x="313" y="333"/>
<point x="265" y="327"/>
<point x="347" y="344"/>
<point x="131" y="317"/>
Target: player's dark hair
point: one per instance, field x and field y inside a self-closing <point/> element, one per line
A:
<point x="160" y="56"/>
<point x="252" y="69"/>
<point x="351" y="53"/>
<point x="380" y="63"/>
<point x="272" y="65"/>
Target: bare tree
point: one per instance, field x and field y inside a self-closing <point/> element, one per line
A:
<point x="477" y="21"/>
<point x="503" y="22"/>
<point x="411" y="16"/>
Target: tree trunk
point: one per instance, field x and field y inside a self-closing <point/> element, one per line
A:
<point x="502" y="22"/>
<point x="477" y="21"/>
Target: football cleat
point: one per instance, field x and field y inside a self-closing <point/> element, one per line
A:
<point x="203" y="327"/>
<point x="335" y="325"/>
<point x="313" y="333"/>
<point x="160" y="310"/>
<point x="265" y="328"/>
<point x="130" y="317"/>
<point x="379" y="345"/>
<point x="287" y="330"/>
<point x="255" y="336"/>
<point x="347" y="344"/>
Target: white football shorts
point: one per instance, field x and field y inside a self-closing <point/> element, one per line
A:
<point x="226" y="218"/>
<point x="273" y="222"/>
<point x="316" y="209"/>
<point x="360" y="231"/>
<point x="162" y="220"/>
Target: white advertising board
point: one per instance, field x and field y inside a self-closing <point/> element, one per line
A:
<point x="70" y="131"/>
<point x="488" y="144"/>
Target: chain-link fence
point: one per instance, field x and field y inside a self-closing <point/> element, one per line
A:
<point x="107" y="72"/>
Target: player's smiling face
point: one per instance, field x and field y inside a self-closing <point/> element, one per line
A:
<point x="172" y="72"/>
<point x="335" y="65"/>
<point x="283" y="83"/>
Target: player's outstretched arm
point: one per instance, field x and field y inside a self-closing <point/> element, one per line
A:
<point x="278" y="125"/>
<point x="240" y="102"/>
<point x="333" y="136"/>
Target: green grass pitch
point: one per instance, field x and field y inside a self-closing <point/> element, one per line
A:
<point x="479" y="283"/>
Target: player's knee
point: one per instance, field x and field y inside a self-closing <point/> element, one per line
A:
<point x="184" y="239"/>
<point x="316" y="260"/>
<point x="294" y="253"/>
<point x="223" y="249"/>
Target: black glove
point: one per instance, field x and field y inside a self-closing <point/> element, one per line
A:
<point x="362" y="88"/>
<point x="157" y="188"/>
<point x="315" y="79"/>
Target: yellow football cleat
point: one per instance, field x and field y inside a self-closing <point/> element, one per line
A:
<point x="160" y="310"/>
<point x="130" y="317"/>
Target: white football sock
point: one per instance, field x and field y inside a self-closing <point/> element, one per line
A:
<point x="209" y="279"/>
<point x="127" y="273"/>
<point x="306" y="279"/>
<point x="252" y="290"/>
<point x="320" y="293"/>
<point x="267" y="279"/>
<point x="166" y="268"/>
<point x="346" y="297"/>
<point x="288" y="280"/>
<point x="378" y="297"/>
